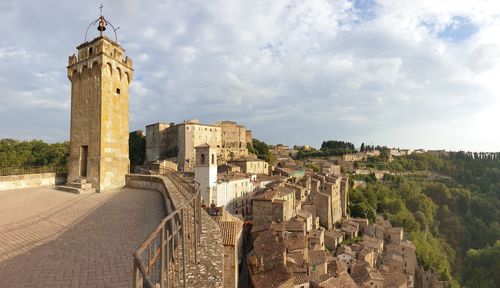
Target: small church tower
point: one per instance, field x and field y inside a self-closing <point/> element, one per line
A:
<point x="205" y="172"/>
<point x="100" y="76"/>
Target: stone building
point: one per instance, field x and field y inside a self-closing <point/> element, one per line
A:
<point x="206" y="172"/>
<point x="100" y="76"/>
<point x="251" y="165"/>
<point x="276" y="203"/>
<point x="234" y="140"/>
<point x="177" y="141"/>
<point x="330" y="195"/>
<point x="231" y="229"/>
<point x="234" y="192"/>
<point x="166" y="141"/>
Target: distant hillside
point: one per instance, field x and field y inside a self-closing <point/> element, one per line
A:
<point x="452" y="217"/>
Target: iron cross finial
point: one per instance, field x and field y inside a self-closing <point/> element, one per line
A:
<point x="100" y="8"/>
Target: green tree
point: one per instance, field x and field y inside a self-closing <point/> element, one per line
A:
<point x="137" y="148"/>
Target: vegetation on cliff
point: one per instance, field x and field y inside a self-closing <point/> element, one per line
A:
<point x="448" y="205"/>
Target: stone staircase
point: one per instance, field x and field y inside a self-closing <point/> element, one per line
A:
<point x="78" y="187"/>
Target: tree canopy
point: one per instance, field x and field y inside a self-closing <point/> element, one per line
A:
<point x="450" y="209"/>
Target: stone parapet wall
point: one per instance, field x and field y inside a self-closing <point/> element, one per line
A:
<point x="210" y="269"/>
<point x="31" y="180"/>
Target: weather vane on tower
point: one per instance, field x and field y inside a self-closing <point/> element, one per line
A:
<point x="101" y="23"/>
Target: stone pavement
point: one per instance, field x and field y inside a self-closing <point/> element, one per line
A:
<point x="50" y="238"/>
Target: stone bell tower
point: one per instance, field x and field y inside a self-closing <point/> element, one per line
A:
<point x="205" y="172"/>
<point x="100" y="76"/>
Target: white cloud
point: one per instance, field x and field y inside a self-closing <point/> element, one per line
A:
<point x="293" y="71"/>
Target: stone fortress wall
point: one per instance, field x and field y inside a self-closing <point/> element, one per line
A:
<point x="177" y="141"/>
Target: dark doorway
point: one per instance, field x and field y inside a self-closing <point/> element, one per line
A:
<point x="84" y="153"/>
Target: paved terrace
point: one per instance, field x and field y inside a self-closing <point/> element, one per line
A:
<point x="50" y="238"/>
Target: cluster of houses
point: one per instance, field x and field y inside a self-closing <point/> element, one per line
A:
<point x="303" y="237"/>
<point x="301" y="232"/>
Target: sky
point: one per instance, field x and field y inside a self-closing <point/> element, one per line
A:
<point x="408" y="74"/>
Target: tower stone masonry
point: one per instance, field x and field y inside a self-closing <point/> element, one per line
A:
<point x="100" y="76"/>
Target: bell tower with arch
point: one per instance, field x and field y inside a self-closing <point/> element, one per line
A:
<point x="100" y="75"/>
<point x="205" y="172"/>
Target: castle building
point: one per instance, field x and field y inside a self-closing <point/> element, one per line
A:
<point x="100" y="76"/>
<point x="178" y="141"/>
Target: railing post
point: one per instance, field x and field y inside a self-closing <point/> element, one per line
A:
<point x="135" y="276"/>
<point x="162" y="257"/>
<point x="195" y="234"/>
<point x="168" y="257"/>
<point x="183" y="248"/>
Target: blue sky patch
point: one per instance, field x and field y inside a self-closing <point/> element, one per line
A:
<point x="365" y="9"/>
<point x="459" y="29"/>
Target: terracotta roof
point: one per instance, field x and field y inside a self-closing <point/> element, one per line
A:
<point x="294" y="225"/>
<point x="343" y="281"/>
<point x="203" y="146"/>
<point x="247" y="159"/>
<point x="394" y="280"/>
<point x="296" y="258"/>
<point x="268" y="245"/>
<point x="271" y="278"/>
<point x="273" y="193"/>
<point x="230" y="231"/>
<point x="317" y="257"/>
<point x="333" y="233"/>
<point x="232" y="176"/>
<point x="372" y="242"/>
<point x="300" y="278"/>
<point x="303" y="214"/>
<point x="316" y="233"/>
<point x="362" y="273"/>
<point x="337" y="267"/>
<point x="295" y="242"/>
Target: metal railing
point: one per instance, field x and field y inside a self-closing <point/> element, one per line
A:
<point x="30" y="169"/>
<point x="171" y="249"/>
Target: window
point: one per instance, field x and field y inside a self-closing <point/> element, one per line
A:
<point x="91" y="51"/>
<point x="117" y="90"/>
<point x="202" y="159"/>
<point x="313" y="268"/>
<point x="213" y="159"/>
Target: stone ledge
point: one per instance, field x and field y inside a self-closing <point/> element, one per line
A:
<point x="210" y="270"/>
<point x="12" y="182"/>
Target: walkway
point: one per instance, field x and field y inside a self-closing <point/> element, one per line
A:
<point x="50" y="238"/>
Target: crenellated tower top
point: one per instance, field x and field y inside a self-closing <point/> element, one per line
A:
<point x="100" y="50"/>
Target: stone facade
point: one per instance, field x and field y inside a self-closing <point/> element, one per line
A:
<point x="330" y="195"/>
<point x="165" y="141"/>
<point x="274" y="204"/>
<point x="31" y="180"/>
<point x="100" y="77"/>
<point x="251" y="165"/>
<point x="156" y="141"/>
<point x="234" y="192"/>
